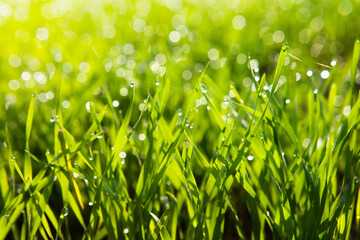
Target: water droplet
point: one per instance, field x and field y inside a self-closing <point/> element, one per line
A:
<point x="208" y="107"/>
<point x="126" y="230"/>
<point x="90" y="159"/>
<point x="7" y="215"/>
<point x="100" y="136"/>
<point x="262" y="136"/>
<point x="268" y="213"/>
<point x="95" y="177"/>
<point x="91" y="204"/>
<point x="316" y="91"/>
<point x="75" y="175"/>
<point x="187" y="123"/>
<point x="65" y="212"/>
<point x="52" y="120"/>
<point x="287" y="101"/>
<point x="203" y="88"/>
<point x="180" y="114"/>
<point x="294" y="155"/>
<point x="122" y="155"/>
<point x="250" y="158"/>
<point x="325" y="74"/>
<point x="123" y="162"/>
<point x="132" y="84"/>
<point x="283" y="154"/>
<point x="157" y="83"/>
<point x="192" y="125"/>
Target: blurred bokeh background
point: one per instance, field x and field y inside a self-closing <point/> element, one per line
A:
<point x="91" y="45"/>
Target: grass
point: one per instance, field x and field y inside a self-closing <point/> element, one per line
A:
<point x="115" y="130"/>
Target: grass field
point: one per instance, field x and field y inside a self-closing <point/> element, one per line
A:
<point x="169" y="119"/>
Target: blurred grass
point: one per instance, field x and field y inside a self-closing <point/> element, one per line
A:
<point x="179" y="119"/>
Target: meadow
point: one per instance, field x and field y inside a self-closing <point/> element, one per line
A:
<point x="170" y="119"/>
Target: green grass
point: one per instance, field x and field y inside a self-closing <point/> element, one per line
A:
<point x="113" y="130"/>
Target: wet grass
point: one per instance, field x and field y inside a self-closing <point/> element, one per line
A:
<point x="207" y="147"/>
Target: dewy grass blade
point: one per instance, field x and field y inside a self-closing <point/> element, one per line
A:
<point x="354" y="65"/>
<point x="29" y="121"/>
<point x="246" y="143"/>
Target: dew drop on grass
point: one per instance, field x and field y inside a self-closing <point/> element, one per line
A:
<point x="250" y="158"/>
<point x="208" y="107"/>
<point x="325" y="74"/>
<point x="192" y="125"/>
<point x="123" y="162"/>
<point x="132" y="84"/>
<point x="52" y="120"/>
<point x="75" y="175"/>
<point x="287" y="101"/>
<point x="309" y="73"/>
<point x="268" y="213"/>
<point x="142" y="137"/>
<point x="122" y="155"/>
<point x="157" y="83"/>
<point x="87" y="105"/>
<point x="187" y="123"/>
<point x="91" y="204"/>
<point x="180" y="114"/>
<point x="90" y="159"/>
<point x="65" y="212"/>
<point x="316" y="91"/>
<point x="95" y="177"/>
<point x="203" y="88"/>
<point x="126" y="230"/>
